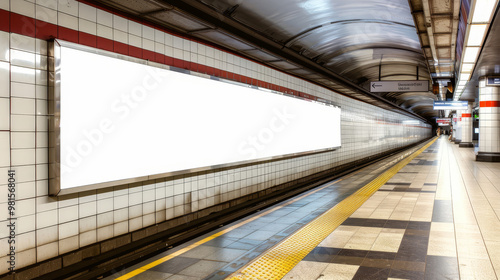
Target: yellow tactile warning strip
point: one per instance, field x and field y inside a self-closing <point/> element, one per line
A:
<point x="280" y="259"/>
<point x="198" y="243"/>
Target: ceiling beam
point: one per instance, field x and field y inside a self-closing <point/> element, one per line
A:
<point x="430" y="31"/>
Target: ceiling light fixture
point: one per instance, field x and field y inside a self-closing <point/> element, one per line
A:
<point x="479" y="19"/>
<point x="483" y="10"/>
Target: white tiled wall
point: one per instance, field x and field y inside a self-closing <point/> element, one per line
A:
<point x="51" y="226"/>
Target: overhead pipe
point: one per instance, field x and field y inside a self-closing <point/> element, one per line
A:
<point x="430" y="32"/>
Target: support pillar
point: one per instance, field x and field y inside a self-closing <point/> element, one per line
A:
<point x="467" y="128"/>
<point x="489" y="122"/>
<point x="458" y="137"/>
<point x="454" y="129"/>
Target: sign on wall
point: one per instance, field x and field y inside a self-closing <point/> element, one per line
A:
<point x="493" y="81"/>
<point x="122" y="121"/>
<point x="399" y="86"/>
<point x="450" y="105"/>
<point x="443" y="121"/>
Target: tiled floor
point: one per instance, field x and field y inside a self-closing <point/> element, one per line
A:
<point x="438" y="218"/>
<point x="247" y="239"/>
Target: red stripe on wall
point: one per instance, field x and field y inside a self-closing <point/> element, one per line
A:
<point x="16" y="23"/>
<point x="120" y="48"/>
<point x="45" y="30"/>
<point x="148" y="55"/>
<point x="135" y="51"/>
<point x="4" y="20"/>
<point x="87" y="39"/>
<point x="217" y="72"/>
<point x="104" y="44"/>
<point x="22" y="25"/>
<point x="177" y="63"/>
<point x="169" y="60"/>
<point x="160" y="58"/>
<point x="67" y="34"/>
<point x="194" y="66"/>
<point x="486" y="104"/>
<point x="466" y="115"/>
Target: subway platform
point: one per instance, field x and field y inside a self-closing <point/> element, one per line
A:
<point x="431" y="212"/>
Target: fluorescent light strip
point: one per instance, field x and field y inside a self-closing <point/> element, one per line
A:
<point x="467" y="67"/>
<point x="465" y="76"/>
<point x="483" y="9"/>
<point x="476" y="34"/>
<point x="470" y="54"/>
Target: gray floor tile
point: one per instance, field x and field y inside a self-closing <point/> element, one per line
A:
<point x="225" y="255"/>
<point x="255" y="225"/>
<point x="260" y="235"/>
<point x="268" y="220"/>
<point x="182" y="277"/>
<point x="202" y="268"/>
<point x="152" y="275"/>
<point x="174" y="265"/>
<point x="276" y="227"/>
<point x="292" y="218"/>
<point x="221" y="241"/>
<point x="244" y="244"/>
<point x="239" y="233"/>
<point x="201" y="252"/>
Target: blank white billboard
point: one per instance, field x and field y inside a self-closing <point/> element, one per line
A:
<point x="122" y="120"/>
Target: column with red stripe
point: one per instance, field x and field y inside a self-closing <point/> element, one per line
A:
<point x="467" y="128"/>
<point x="454" y="127"/>
<point x="458" y="127"/>
<point x="489" y="122"/>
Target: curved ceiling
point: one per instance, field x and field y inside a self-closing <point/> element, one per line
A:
<point x="340" y="44"/>
<point x="360" y="40"/>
